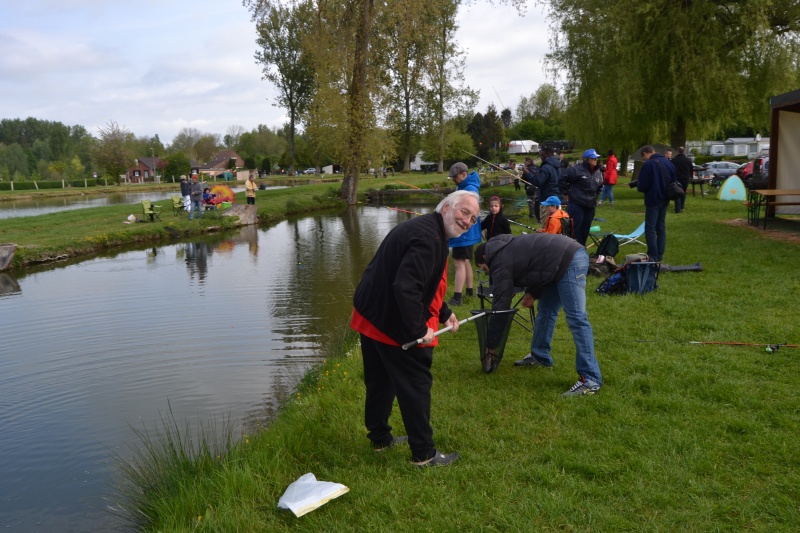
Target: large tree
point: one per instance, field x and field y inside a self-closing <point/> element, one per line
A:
<point x="112" y="153"/>
<point x="404" y="52"/>
<point x="280" y="35"/>
<point x="447" y="93"/>
<point x="659" y="70"/>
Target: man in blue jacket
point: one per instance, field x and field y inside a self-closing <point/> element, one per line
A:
<point x="656" y="172"/>
<point x="462" y="246"/>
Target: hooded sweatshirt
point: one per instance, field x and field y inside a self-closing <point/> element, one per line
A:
<point x="472" y="236"/>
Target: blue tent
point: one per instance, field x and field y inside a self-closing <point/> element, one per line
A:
<point x="732" y="189"/>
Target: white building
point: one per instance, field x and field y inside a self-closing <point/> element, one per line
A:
<point x="749" y="147"/>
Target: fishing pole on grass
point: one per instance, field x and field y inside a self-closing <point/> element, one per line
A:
<point x="496" y="166"/>
<point x="770" y="348"/>
<point x="408" y="345"/>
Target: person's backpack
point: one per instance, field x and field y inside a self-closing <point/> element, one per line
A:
<point x="637" y="275"/>
<point x="616" y="283"/>
<point x="609" y="246"/>
<point x="567" y="227"/>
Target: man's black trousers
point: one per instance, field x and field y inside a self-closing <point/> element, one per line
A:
<point x="389" y="372"/>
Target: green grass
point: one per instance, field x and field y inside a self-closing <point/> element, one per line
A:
<point x="682" y="437"/>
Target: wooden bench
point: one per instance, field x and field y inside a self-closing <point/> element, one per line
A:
<point x="765" y="198"/>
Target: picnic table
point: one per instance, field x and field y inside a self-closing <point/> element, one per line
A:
<point x="765" y="199"/>
<point x="701" y="182"/>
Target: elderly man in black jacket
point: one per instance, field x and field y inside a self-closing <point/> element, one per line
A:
<point x="553" y="269"/>
<point x="400" y="299"/>
<point x="547" y="180"/>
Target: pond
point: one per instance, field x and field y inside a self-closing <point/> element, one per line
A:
<point x="214" y="328"/>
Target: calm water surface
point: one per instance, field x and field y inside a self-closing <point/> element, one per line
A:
<point x="213" y="328"/>
<point x="40" y="206"/>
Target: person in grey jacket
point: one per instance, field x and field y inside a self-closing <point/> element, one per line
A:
<point x="553" y="269"/>
<point x="196" y="203"/>
<point x="581" y="185"/>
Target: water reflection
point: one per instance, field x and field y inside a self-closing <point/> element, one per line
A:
<point x="8" y="285"/>
<point x="206" y="329"/>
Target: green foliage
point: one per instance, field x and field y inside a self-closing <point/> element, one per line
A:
<point x="177" y="165"/>
<point x="112" y="152"/>
<point x="662" y="70"/>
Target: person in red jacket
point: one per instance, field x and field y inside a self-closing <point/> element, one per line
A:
<point x="609" y="179"/>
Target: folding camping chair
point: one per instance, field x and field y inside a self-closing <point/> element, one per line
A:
<point x="485" y="295"/>
<point x="631" y="237"/>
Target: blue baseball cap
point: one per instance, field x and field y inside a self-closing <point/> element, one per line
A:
<point x="591" y="154"/>
<point x="553" y="200"/>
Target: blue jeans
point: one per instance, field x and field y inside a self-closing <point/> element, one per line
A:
<point x="655" y="230"/>
<point x="195" y="205"/>
<point x="607" y="194"/>
<point x="568" y="292"/>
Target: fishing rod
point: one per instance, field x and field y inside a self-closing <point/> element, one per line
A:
<point x="408" y="345"/>
<point x="421" y="189"/>
<point x="770" y="348"/>
<point x="523" y="225"/>
<point x="403" y="210"/>
<point x="502" y="169"/>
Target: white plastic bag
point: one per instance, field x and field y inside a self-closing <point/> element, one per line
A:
<point x="307" y="494"/>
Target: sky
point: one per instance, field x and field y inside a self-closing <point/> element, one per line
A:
<point x="155" y="67"/>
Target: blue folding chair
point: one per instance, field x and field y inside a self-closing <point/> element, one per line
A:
<point x="631" y="237"/>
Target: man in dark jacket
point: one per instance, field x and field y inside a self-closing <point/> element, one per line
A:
<point x="581" y="185"/>
<point x="653" y="177"/>
<point x="547" y="179"/>
<point x="529" y="173"/>
<point x="683" y="170"/>
<point x="553" y="269"/>
<point x="400" y="299"/>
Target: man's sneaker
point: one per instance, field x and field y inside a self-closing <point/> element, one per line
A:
<point x="583" y="386"/>
<point x="455" y="302"/>
<point x="529" y="360"/>
<point x="439" y="459"/>
<point x="394" y="442"/>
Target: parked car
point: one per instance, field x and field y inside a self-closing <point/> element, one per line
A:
<point x="750" y="168"/>
<point x="309" y="171"/>
<point x="759" y="179"/>
<point x="719" y="170"/>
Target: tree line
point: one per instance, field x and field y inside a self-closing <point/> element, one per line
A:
<point x="378" y="80"/>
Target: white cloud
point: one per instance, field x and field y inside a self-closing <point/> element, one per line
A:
<point x="156" y="67"/>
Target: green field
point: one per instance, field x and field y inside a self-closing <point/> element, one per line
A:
<point x="682" y="437"/>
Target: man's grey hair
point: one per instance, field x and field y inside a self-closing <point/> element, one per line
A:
<point x="454" y="198"/>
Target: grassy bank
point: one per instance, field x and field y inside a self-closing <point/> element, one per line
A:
<point x="85" y="232"/>
<point x="682" y="437"/>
